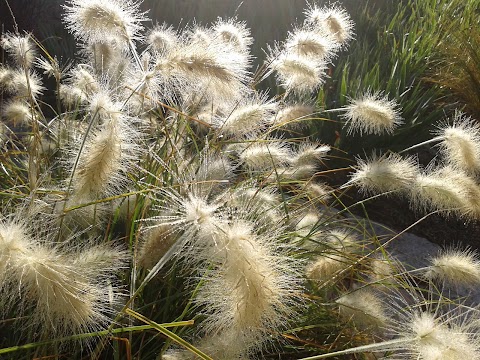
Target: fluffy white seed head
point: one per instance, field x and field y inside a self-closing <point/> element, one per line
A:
<point x="333" y="20"/>
<point x="101" y="105"/>
<point x="156" y="242"/>
<point x="20" y="48"/>
<point x="17" y="112"/>
<point x="200" y="36"/>
<point x="341" y="240"/>
<point x="246" y="119"/>
<point x="104" y="160"/>
<point x="455" y="268"/>
<point x="100" y="20"/>
<point x="386" y="173"/>
<point x="310" y="154"/>
<point x="262" y="203"/>
<point x="460" y="143"/>
<point x="310" y="43"/>
<point x="203" y="71"/>
<point x="71" y="95"/>
<point x="297" y="73"/>
<point x="256" y="285"/>
<point x="26" y="85"/>
<point x="162" y="39"/>
<point x="434" y="334"/>
<point x="316" y="192"/>
<point x="82" y="77"/>
<point x="6" y="77"/>
<point x="293" y="116"/>
<point x="324" y="267"/>
<point x="438" y="190"/>
<point x="234" y="33"/>
<point x="363" y="307"/>
<point x="67" y="293"/>
<point x="263" y="156"/>
<point x="51" y="67"/>
<point x="372" y="114"/>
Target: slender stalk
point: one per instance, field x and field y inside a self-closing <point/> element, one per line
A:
<point x="92" y="334"/>
<point x="383" y="346"/>
<point x="169" y="334"/>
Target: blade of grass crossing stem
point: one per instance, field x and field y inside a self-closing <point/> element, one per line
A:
<point x="92" y="334"/>
<point x="169" y="334"/>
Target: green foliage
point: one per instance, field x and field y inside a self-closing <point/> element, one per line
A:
<point x="392" y="54"/>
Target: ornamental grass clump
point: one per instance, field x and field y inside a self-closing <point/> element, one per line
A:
<point x="162" y="192"/>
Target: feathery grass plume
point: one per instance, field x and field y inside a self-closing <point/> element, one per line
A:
<point x="17" y="112"/>
<point x="157" y="240"/>
<point x="310" y="154"/>
<point x="82" y="77"/>
<point x="6" y="77"/>
<point x="193" y="218"/>
<point x="98" y="20"/>
<point x="386" y="173"/>
<point x="67" y="295"/>
<point x="339" y="246"/>
<point x="20" y="48"/>
<point x="162" y="39"/>
<point x="372" y="113"/>
<point x="460" y="143"/>
<point x="363" y="307"/>
<point x="293" y="116"/>
<point x="381" y="269"/>
<point x="249" y="293"/>
<point x="312" y="44"/>
<point x="428" y="328"/>
<point x="210" y="70"/>
<point x="246" y="118"/>
<point x="437" y="190"/>
<point x="27" y="85"/>
<point x="316" y="192"/>
<point x="234" y="33"/>
<point x="333" y="20"/>
<point x="467" y="187"/>
<point x="262" y="156"/>
<point x="293" y="173"/>
<point x="297" y="73"/>
<point x="104" y="160"/>
<point x="101" y="106"/>
<point x="199" y="35"/>
<point x="108" y="59"/>
<point x="264" y="202"/>
<point x="306" y="228"/>
<point x="455" y="268"/>
<point x="324" y="267"/>
<point x="51" y="67"/>
<point x="71" y="96"/>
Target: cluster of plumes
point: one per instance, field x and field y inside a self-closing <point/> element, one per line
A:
<point x="407" y="313"/>
<point x="19" y="81"/>
<point x="301" y="62"/>
<point x="61" y="290"/>
<point x="448" y="185"/>
<point x="233" y="231"/>
<point x="171" y="113"/>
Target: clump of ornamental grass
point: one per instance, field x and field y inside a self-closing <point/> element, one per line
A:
<point x="162" y="145"/>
